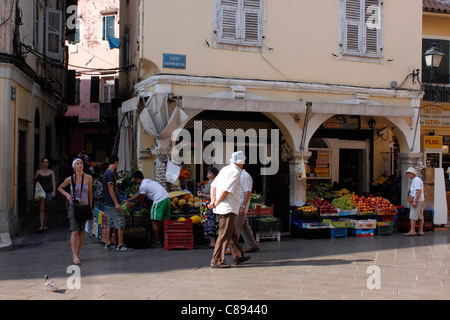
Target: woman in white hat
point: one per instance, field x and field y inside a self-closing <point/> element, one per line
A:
<point x="416" y="209"/>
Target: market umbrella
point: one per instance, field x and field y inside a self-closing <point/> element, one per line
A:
<point x="157" y="121"/>
<point x="124" y="151"/>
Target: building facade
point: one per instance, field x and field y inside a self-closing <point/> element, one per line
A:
<point x="435" y="105"/>
<point x="94" y="63"/>
<point x="329" y="84"/>
<point x="32" y="92"/>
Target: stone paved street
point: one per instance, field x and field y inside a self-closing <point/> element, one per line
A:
<point x="294" y="268"/>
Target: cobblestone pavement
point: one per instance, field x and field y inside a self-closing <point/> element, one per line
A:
<point x="391" y="267"/>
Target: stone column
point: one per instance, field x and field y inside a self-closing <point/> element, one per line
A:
<point x="297" y="190"/>
<point x="406" y="160"/>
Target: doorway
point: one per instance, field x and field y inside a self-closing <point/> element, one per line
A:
<point x="351" y="174"/>
<point x="22" y="175"/>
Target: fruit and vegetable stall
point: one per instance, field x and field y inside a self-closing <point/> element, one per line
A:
<point x="340" y="213"/>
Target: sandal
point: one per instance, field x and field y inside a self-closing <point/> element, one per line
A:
<point x="76" y="260"/>
<point x="410" y="234"/>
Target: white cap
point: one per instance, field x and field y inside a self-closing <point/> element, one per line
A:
<point x="75" y="161"/>
<point x="237" y="157"/>
<point x="412" y="170"/>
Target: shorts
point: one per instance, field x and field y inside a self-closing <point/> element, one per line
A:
<point x="116" y="219"/>
<point x="416" y="213"/>
<point x="75" y="225"/>
<point x="161" y="210"/>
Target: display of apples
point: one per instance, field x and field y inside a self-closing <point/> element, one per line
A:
<point x="325" y="206"/>
<point x="373" y="204"/>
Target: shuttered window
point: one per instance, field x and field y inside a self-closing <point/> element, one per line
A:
<point x="239" y="22"/>
<point x="54" y="33"/>
<point x="362" y="27"/>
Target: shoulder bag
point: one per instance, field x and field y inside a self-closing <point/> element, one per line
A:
<point x="82" y="212"/>
<point x="410" y="198"/>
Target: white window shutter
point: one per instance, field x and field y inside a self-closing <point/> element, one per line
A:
<point x="54" y="33"/>
<point x="228" y="18"/>
<point x="252" y="17"/>
<point x="372" y="26"/>
<point x="352" y="26"/>
<point x="239" y="22"/>
<point x="362" y="27"/>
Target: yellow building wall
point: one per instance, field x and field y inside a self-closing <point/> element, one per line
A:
<point x="304" y="35"/>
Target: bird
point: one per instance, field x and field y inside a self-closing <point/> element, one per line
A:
<point x="49" y="284"/>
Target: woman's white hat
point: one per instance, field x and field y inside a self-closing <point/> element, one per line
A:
<point x="412" y="170"/>
<point x="237" y="157"/>
<point x="75" y="161"/>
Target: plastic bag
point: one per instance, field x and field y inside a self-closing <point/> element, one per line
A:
<point x="39" y="192"/>
<point x="301" y="170"/>
<point x="172" y="172"/>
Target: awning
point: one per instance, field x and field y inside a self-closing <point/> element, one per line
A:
<point x="130" y="105"/>
<point x="156" y="120"/>
<point x="236" y="105"/>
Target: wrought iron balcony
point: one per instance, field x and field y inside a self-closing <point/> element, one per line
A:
<point x="437" y="92"/>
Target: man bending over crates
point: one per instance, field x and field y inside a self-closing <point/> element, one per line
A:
<point x="160" y="209"/>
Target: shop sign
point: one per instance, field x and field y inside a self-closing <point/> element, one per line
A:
<point x="432" y="142"/>
<point x="342" y="122"/>
<point x="174" y="61"/>
<point x="434" y="116"/>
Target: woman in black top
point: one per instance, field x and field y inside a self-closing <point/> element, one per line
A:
<point x="46" y="177"/>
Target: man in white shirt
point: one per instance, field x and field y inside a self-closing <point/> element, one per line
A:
<point x="242" y="224"/>
<point x="161" y="206"/>
<point x="416" y="209"/>
<point x="225" y="202"/>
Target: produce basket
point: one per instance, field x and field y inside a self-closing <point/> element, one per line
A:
<point x="178" y="226"/>
<point x="315" y="225"/>
<point x="337" y="223"/>
<point x="352" y="212"/>
<point x="308" y="211"/>
<point x="363" y="232"/>
<point x="178" y="241"/>
<point x="136" y="237"/>
<point x="260" y="210"/>
<point x="363" y="224"/>
<point x="268" y="224"/>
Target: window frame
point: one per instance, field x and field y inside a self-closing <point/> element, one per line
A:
<point x="106" y="27"/>
<point x="361" y="54"/>
<point x="239" y="43"/>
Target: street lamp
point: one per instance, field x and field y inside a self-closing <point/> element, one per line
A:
<point x="433" y="56"/>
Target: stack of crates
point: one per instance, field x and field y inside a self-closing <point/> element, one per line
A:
<point x="178" y="235"/>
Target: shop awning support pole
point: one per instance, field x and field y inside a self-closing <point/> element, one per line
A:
<point x="305" y="125"/>
<point x="415" y="130"/>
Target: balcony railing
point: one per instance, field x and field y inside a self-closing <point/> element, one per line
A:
<point x="437" y="92"/>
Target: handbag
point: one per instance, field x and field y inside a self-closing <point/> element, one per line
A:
<point x="410" y="198"/>
<point x="82" y="212"/>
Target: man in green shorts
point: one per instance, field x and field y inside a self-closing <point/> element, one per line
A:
<point x="161" y="207"/>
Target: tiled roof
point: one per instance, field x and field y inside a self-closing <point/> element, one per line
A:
<point x="436" y="6"/>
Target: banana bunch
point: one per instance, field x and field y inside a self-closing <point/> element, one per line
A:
<point x="306" y="209"/>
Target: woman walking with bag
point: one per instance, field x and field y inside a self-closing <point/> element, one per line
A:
<point x="46" y="177"/>
<point x="80" y="193"/>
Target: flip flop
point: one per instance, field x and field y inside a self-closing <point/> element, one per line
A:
<point x="410" y="234"/>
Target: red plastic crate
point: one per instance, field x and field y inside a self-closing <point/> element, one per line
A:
<point x="178" y="226"/>
<point x="178" y="241"/>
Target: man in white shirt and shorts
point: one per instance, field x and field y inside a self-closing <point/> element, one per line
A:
<point x="416" y="209"/>
<point x="225" y="202"/>
<point x="161" y="206"/>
